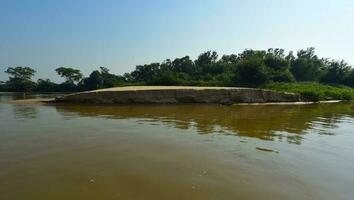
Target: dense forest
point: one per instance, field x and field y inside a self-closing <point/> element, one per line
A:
<point x="251" y="68"/>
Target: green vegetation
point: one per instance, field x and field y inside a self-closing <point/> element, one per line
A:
<point x="20" y="79"/>
<point x="273" y="69"/>
<point x="315" y="91"/>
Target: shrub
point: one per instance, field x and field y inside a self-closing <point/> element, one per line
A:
<point x="315" y="91"/>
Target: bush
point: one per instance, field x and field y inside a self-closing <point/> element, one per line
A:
<point x="347" y="96"/>
<point x="312" y="95"/>
<point x="315" y="91"/>
<point x="282" y="76"/>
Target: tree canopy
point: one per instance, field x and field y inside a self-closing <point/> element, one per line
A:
<point x="19" y="79"/>
<point x="20" y="72"/>
<point x="71" y="75"/>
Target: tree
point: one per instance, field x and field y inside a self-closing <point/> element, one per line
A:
<point x="2" y="86"/>
<point x="278" y="66"/>
<point x="20" y="72"/>
<point x="275" y="59"/>
<point x="206" y="58"/>
<point x="145" y="73"/>
<point x="101" y="79"/>
<point x="335" y="72"/>
<point x="206" y="66"/>
<point x="93" y="82"/>
<point x="183" y="65"/>
<point x="250" y="54"/>
<point x="251" y="72"/>
<point x="255" y="67"/>
<point x="128" y="77"/>
<point x="307" y="66"/>
<point x="71" y="75"/>
<point x="109" y="79"/>
<point x="349" y="79"/>
<point x="45" y="85"/>
<point x="229" y="59"/>
<point x="20" y="79"/>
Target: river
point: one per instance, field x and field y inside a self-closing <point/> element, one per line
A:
<point x="171" y="152"/>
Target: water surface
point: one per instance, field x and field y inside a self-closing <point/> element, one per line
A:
<point x="175" y="151"/>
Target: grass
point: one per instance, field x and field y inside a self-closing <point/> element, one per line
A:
<point x="315" y="91"/>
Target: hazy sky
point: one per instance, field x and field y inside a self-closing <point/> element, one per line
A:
<point x="120" y="34"/>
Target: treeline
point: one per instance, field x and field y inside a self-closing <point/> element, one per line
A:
<point x="251" y="68"/>
<point x="20" y="80"/>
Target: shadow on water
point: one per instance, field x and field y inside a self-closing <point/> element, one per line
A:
<point x="270" y="122"/>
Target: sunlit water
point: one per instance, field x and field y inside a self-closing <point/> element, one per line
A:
<point x="57" y="152"/>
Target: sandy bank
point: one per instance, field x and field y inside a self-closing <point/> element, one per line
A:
<point x="179" y="94"/>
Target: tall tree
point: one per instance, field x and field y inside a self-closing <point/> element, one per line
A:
<point x="20" y="78"/>
<point x="71" y="75"/>
<point x="20" y="72"/>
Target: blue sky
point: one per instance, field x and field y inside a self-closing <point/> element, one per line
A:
<point x="120" y="34"/>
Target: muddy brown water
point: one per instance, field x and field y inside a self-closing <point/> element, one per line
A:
<point x="175" y="151"/>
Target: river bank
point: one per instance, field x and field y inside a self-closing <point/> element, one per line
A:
<point x="179" y="94"/>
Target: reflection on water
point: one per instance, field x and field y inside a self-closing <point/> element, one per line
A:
<point x="175" y="151"/>
<point x="270" y="122"/>
<point x="6" y="96"/>
<point x="25" y="112"/>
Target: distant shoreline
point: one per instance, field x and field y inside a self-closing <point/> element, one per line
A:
<point x="52" y="101"/>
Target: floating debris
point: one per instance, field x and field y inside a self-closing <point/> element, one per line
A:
<point x="267" y="150"/>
